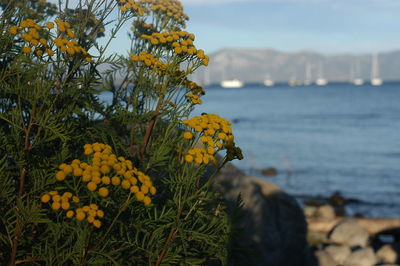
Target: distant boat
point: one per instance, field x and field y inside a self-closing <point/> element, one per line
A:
<point x="308" y="75"/>
<point x="268" y="82"/>
<point x="233" y="83"/>
<point x="354" y="74"/>
<point x="321" y="81"/>
<point x="375" y="80"/>
<point x="358" y="81"/>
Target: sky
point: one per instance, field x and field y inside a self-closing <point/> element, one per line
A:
<point x="326" y="26"/>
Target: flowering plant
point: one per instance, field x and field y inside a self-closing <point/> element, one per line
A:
<point x="124" y="182"/>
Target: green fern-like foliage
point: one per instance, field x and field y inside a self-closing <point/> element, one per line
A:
<point x="62" y="149"/>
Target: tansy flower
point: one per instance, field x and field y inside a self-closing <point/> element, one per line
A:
<point x="187" y="135"/>
<point x="103" y="192"/>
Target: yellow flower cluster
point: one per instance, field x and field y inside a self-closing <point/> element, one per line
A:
<point x="90" y="212"/>
<point x="150" y="61"/>
<point x="170" y="8"/>
<point x="33" y="35"/>
<point x="70" y="46"/>
<point x="29" y="31"/>
<point x="63" y="202"/>
<point x="196" y="91"/>
<point x="106" y="169"/>
<point x="195" y="99"/>
<point x="140" y="28"/>
<point x="131" y="5"/>
<point x="180" y="41"/>
<point x="216" y="133"/>
<point x="59" y="201"/>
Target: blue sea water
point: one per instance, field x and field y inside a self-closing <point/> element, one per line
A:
<point x="334" y="138"/>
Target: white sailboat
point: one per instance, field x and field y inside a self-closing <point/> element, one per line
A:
<point x="229" y="83"/>
<point x="321" y="81"/>
<point x="232" y="83"/>
<point x="354" y="74"/>
<point x="308" y="78"/>
<point x="268" y="82"/>
<point x="375" y="80"/>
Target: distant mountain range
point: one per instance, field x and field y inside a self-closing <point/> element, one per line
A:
<point x="257" y="65"/>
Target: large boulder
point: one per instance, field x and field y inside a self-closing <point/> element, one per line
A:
<point x="274" y="225"/>
<point x="325" y="212"/>
<point x="361" y="257"/>
<point x="387" y="254"/>
<point x="338" y="253"/>
<point x="324" y="258"/>
<point x="349" y="233"/>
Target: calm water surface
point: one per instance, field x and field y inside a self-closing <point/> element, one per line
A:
<point x="333" y="138"/>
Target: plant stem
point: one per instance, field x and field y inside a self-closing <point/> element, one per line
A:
<point x="149" y="128"/>
<point x="171" y="236"/>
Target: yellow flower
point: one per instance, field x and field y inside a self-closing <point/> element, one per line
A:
<point x="13" y="30"/>
<point x="189" y="158"/>
<point x="60" y="176"/>
<point x="105" y="180"/>
<point x="88" y="59"/>
<point x="92" y="186"/>
<point x="198" y="159"/>
<point x="70" y="33"/>
<point x="56" y="206"/>
<point x="78" y="172"/>
<point x="68" y="169"/>
<point x="75" y="199"/>
<point x="103" y="192"/>
<point x="144" y="189"/>
<point x="187" y="135"/>
<point x="50" y="52"/>
<point x="125" y="184"/>
<point x="56" y="198"/>
<point x="70" y="50"/>
<point x="96" y="180"/>
<point x="139" y="196"/>
<point x="115" y="180"/>
<point x="178" y="50"/>
<point x="90" y="219"/>
<point x="153" y="190"/>
<point x="50" y="25"/>
<point x="34" y="42"/>
<point x="38" y="52"/>
<point x="67" y="194"/>
<point x="27" y="50"/>
<point x="80" y="215"/>
<point x="97" y="223"/>
<point x="100" y="213"/>
<point x="65" y="205"/>
<point x="134" y="189"/>
<point x="105" y="169"/>
<point x="147" y="200"/>
<point x="45" y="198"/>
<point x="70" y="214"/>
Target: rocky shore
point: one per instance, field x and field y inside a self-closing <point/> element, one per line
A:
<point x="277" y="231"/>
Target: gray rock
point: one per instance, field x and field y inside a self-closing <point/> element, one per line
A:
<point x="274" y="225"/>
<point x="349" y="233"/>
<point x="309" y="211"/>
<point x="324" y="258"/>
<point x="338" y="253"/>
<point x="387" y="254"/>
<point x="326" y="212"/>
<point x="361" y="257"/>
